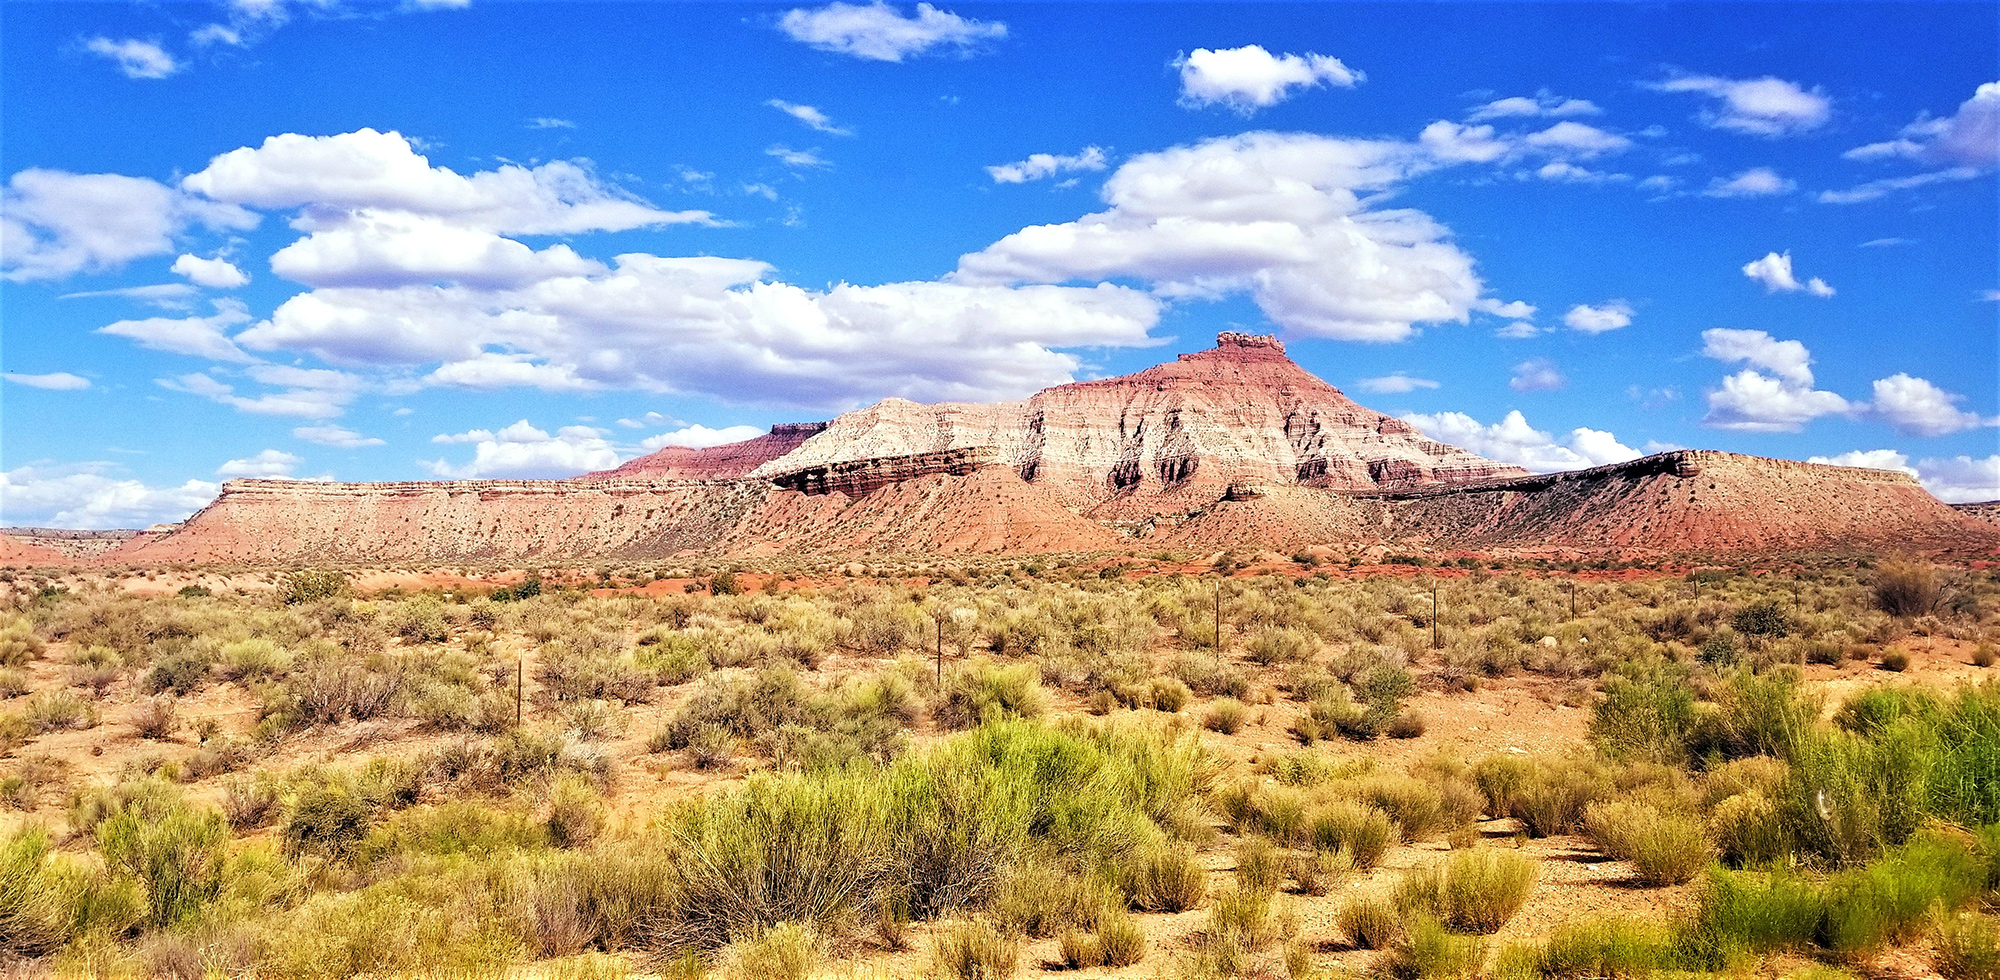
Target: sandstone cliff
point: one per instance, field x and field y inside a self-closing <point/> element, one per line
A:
<point x="1227" y="447"/>
<point x="1167" y="439"/>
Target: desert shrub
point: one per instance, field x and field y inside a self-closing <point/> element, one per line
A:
<point x="1319" y="872"/>
<point x="974" y="950"/>
<point x="1764" y="619"/>
<point x="1240" y="922"/>
<point x="1370" y="923"/>
<point x="1123" y="939"/>
<point x="1409" y="724"/>
<point x="1429" y="951"/>
<point x="1671" y="851"/>
<point x="251" y="660"/>
<point x="1617" y="948"/>
<point x="1169" y="694"/>
<point x="1759" y="913"/>
<point x="13" y="682"/>
<point x="1891" y="900"/>
<point x="422" y="620"/>
<point x="155" y="718"/>
<point x="312" y="585"/>
<point x="1647" y="712"/>
<point x="437" y="924"/>
<point x="1905" y="589"/>
<point x="1749" y="830"/>
<point x="576" y="813"/>
<point x="1226" y="715"/>
<point x="1079" y="950"/>
<point x="1556" y="794"/>
<point x="1476" y="890"/>
<point x="1278" y="645"/>
<point x="325" y="820"/>
<point x="1416" y="805"/>
<point x="982" y="690"/>
<point x="784" y="951"/>
<point x="1163" y="878"/>
<point x="1895" y="660"/>
<point x="177" y="858"/>
<point x="1968" y="948"/>
<point x="1041" y="898"/>
<point x="19" y="644"/>
<point x="41" y="895"/>
<point x="1211" y="675"/>
<point x="49" y="711"/>
<point x="1755" y="714"/>
<point x="1364" y="832"/>
<point x="1260" y="867"/>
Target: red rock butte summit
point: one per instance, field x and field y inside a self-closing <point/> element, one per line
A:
<point x="1229" y="447"/>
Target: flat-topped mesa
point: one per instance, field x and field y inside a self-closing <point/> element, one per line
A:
<point x="1163" y="440"/>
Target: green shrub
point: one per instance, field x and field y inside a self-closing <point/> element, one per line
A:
<point x="1429" y="951"/>
<point x="1554" y="799"/>
<point x="312" y="585"/>
<point x="59" y="710"/>
<point x="1968" y="948"/>
<point x="784" y="951"/>
<point x="40" y="895"/>
<point x="1227" y="716"/>
<point x="1671" y="851"/>
<point x="1891" y="900"/>
<point x="577" y="813"/>
<point x="1371" y="923"/>
<point x="981" y="690"/>
<point x="1647" y="713"/>
<point x="1260" y="867"/>
<point x="1123" y="939"/>
<point x="325" y="820"/>
<point x="1764" y="618"/>
<point x="1163" y="878"/>
<point x="1617" y="948"/>
<point x="1759" y="913"/>
<point x="1364" y="832"/>
<point x="1905" y="589"/>
<point x="974" y="950"/>
<point x="1169" y="694"/>
<point x="1750" y="830"/>
<point x="1277" y="645"/>
<point x="176" y="857"/>
<point x="1476" y="890"/>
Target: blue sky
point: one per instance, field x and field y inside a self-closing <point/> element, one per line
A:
<point x="421" y="240"/>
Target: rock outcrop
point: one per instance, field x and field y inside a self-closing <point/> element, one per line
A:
<point x="1168" y="439"/>
<point x="1227" y="447"/>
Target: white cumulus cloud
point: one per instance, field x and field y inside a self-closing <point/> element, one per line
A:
<point x="92" y="496"/>
<point x="195" y="336"/>
<point x="1513" y="440"/>
<point x="215" y="273"/>
<point x="1917" y="407"/>
<point x="1544" y="103"/>
<point x="269" y="464"/>
<point x="1764" y="106"/>
<point x="1774" y="272"/>
<point x="701" y="437"/>
<point x="134" y="57"/>
<point x="1610" y="315"/>
<point x="1278" y="216"/>
<point x="1040" y="165"/>
<point x="1250" y="78"/>
<point x="1537" y="374"/>
<point x="1398" y="383"/>
<point x="1750" y="400"/>
<point x="1754" y="182"/>
<point x="522" y="451"/>
<point x="54" y="224"/>
<point x="1964" y="146"/>
<point x="879" y="32"/>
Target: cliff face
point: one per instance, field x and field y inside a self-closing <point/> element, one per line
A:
<point x="1164" y="440"/>
<point x="1684" y="502"/>
<point x="1223" y="448"/>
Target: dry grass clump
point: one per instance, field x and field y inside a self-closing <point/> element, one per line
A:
<point x="1664" y="848"/>
<point x="1476" y="890"/>
<point x="975" y="950"/>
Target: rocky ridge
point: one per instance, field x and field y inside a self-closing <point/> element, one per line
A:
<point x="1234" y="446"/>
